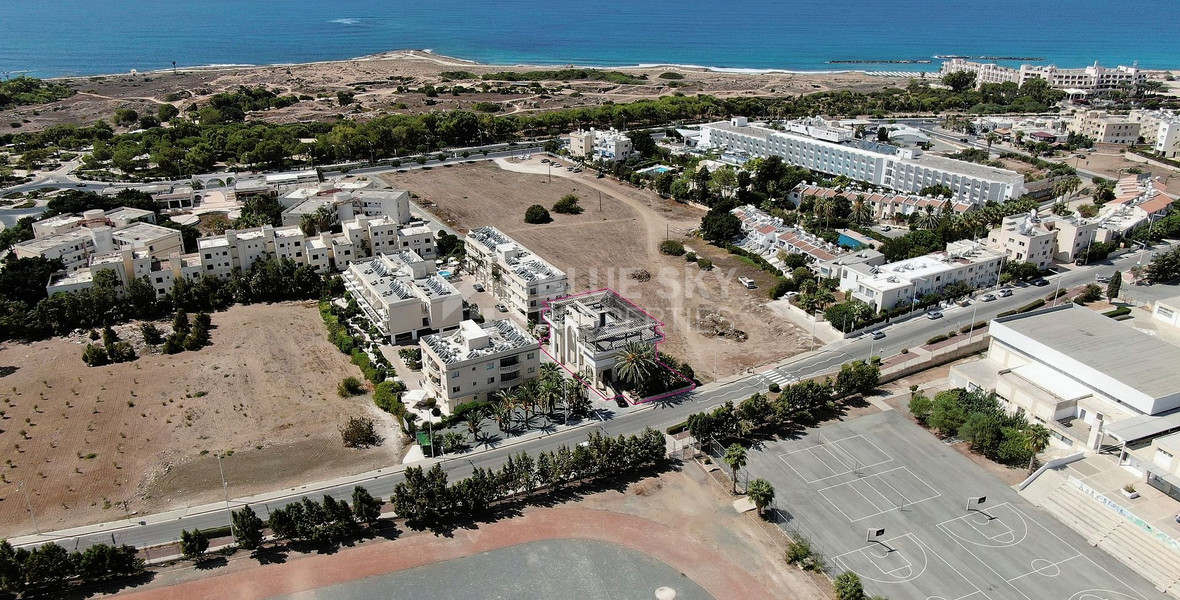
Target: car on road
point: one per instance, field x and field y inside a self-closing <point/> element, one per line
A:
<point x="79" y="185"/>
<point x="877" y="335"/>
<point x="1041" y="282"/>
<point x="988" y="297"/>
<point x="544" y="161"/>
<point x="886" y="228"/>
<point x="934" y="314"/>
<point x="1005" y="292"/>
<point x="621" y="402"/>
<point x="1102" y="279"/>
<point x="477" y="287"/>
<point x="578" y="170"/>
<point x="600" y="176"/>
<point x="500" y="307"/>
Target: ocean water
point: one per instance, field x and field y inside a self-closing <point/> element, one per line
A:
<point x="81" y="37"/>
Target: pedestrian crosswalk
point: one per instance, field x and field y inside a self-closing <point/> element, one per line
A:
<point x="776" y="376"/>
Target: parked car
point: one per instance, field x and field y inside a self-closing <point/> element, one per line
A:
<point x="1005" y="292"/>
<point x="886" y="228"/>
<point x="878" y="334"/>
<point x="500" y="307"/>
<point x="478" y="287"/>
<point x="1042" y="282"/>
<point x="621" y="402"/>
<point x="988" y="297"/>
<point x="934" y="314"/>
<point x="1102" y="279"/>
<point x="544" y="161"/>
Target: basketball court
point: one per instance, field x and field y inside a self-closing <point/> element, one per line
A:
<point x="884" y="498"/>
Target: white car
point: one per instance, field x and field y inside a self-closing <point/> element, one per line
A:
<point x="989" y="297"/>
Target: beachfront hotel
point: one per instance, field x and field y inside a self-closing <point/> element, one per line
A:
<point x="835" y="151"/>
<point x="1081" y="81"/>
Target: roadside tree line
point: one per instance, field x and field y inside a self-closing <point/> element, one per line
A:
<point x="47" y="568"/>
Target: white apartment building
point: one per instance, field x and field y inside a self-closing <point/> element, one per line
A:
<point x="596" y="144"/>
<point x="73" y="238"/>
<point x="1087" y="79"/>
<point x="587" y="332"/>
<point x="521" y="280"/>
<point x="403" y="296"/>
<point x="1106" y="128"/>
<point x="832" y="150"/>
<point x="474" y="362"/>
<point x="1161" y="129"/>
<point x="1139" y="201"/>
<point x="901" y="283"/>
<point x="1023" y="237"/>
<point x="885" y="206"/>
<point x="344" y="205"/>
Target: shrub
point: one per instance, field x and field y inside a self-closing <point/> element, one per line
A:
<point x="671" y="75"/>
<point x="705" y="264"/>
<point x="849" y="587"/>
<point x="1118" y="312"/>
<point x="775" y="388"/>
<point x="800" y="554"/>
<point x="568" y="205"/>
<point x="537" y="215"/>
<point x="672" y="248"/>
<point x="691" y="257"/>
<point x="920" y="406"/>
<point x="121" y="352"/>
<point x="95" y="355"/>
<point x="359" y="432"/>
<point x="350" y="386"/>
<point x="151" y="334"/>
<point x="677" y="428"/>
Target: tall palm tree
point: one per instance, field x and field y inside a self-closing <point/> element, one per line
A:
<point x="474" y="424"/>
<point x="861" y="211"/>
<point x="1037" y="439"/>
<point x="504" y="408"/>
<point x="991" y="138"/>
<point x="635" y="364"/>
<point x="307" y="224"/>
<point x="735" y="457"/>
<point x="761" y="492"/>
<point x="548" y="393"/>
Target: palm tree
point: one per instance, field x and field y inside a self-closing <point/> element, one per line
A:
<point x="307" y="224"/>
<point x="635" y="364"/>
<point x="504" y="408"/>
<point x="991" y="138"/>
<point x="761" y="492"/>
<point x="1037" y="439"/>
<point x="735" y="457"/>
<point x="861" y="211"/>
<point x="548" y="392"/>
<point x="928" y="219"/>
<point x="474" y="424"/>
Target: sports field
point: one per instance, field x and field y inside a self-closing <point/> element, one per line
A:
<point x="882" y="497"/>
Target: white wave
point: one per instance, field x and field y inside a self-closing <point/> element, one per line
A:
<point x="345" y="21"/>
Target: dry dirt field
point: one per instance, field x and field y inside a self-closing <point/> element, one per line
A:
<point x="265" y="389"/>
<point x="603" y="248"/>
<point x="375" y="80"/>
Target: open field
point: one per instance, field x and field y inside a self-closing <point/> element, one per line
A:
<point x="602" y="248"/>
<point x="265" y="389"/>
<point x="680" y="518"/>
<point x="375" y="80"/>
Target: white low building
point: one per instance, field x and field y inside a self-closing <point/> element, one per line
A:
<point x="833" y="150"/>
<point x="596" y="144"/>
<point x="1087" y="79"/>
<point x="902" y="283"/>
<point x="474" y="362"/>
<point x="521" y="280"/>
<point x="402" y="295"/>
<point x="74" y="238"/>
<point x="1085" y="376"/>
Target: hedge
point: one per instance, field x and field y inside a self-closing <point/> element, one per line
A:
<point x="1035" y="304"/>
<point x="1118" y="312"/>
<point x="677" y="428"/>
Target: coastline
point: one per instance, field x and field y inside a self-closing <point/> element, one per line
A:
<point x="428" y="55"/>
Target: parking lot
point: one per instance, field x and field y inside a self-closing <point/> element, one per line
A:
<point x="883" y="498"/>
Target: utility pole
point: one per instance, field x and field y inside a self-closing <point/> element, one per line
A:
<point x="225" y="488"/>
<point x="29" y="505"/>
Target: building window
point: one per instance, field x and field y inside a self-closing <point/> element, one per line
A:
<point x="491" y="380"/>
<point x="455" y="390"/>
<point x="455" y="375"/>
<point x="489" y="366"/>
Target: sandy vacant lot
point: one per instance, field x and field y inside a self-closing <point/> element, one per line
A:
<point x="602" y="248"/>
<point x="95" y="437"/>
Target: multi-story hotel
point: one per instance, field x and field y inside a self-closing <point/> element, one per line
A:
<point x="891" y="285"/>
<point x="403" y="296"/>
<point x="835" y="151"/>
<point x="1087" y="79"/>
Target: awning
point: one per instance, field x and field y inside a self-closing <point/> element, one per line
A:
<point x="1144" y="427"/>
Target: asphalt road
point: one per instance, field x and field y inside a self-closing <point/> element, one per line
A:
<point x="162" y="529"/>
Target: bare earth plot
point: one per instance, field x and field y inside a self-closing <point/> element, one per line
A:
<point x="884" y="477"/>
<point x="265" y="389"/>
<point x="603" y="247"/>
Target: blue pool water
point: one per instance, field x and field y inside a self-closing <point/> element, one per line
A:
<point x="84" y="37"/>
<point x="844" y="240"/>
<point x="445" y="274"/>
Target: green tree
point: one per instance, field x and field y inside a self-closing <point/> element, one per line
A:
<point x="48" y="565"/>
<point x="635" y="365"/>
<point x="946" y="414"/>
<point x="921" y="406"/>
<point x="366" y="508"/>
<point x="166" y="112"/>
<point x="1115" y="286"/>
<point x="735" y="457"/>
<point x="247" y="528"/>
<point x="761" y="492"/>
<point x="568" y="205"/>
<point x="536" y="215"/>
<point x="672" y="248"/>
<point x="193" y="544"/>
<point x="720" y="226"/>
<point x="11" y="568"/>
<point x="848" y="585"/>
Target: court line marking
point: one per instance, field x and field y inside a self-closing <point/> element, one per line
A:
<point x="811" y="449"/>
<point x="1060" y="541"/>
<point x="880" y="477"/>
<point x="926" y="554"/>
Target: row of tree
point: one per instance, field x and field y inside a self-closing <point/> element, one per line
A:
<point x="426" y="498"/>
<point x="797" y="405"/>
<point x="49" y="567"/>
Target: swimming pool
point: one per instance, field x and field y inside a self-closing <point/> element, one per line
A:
<point x="853" y="243"/>
<point x="445" y="274"/>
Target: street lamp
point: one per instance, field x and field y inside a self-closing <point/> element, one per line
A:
<point x="225" y="488"/>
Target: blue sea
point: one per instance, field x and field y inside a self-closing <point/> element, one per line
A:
<point x="85" y="37"/>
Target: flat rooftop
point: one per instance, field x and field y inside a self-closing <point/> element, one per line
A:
<point x="1136" y="359"/>
<point x="73" y="236"/>
<point x="943" y="163"/>
<point x="471" y="341"/>
<point x="143" y="232"/>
